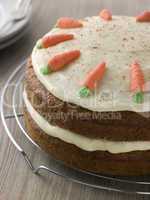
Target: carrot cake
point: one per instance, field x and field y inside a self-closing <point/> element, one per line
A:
<point x="86" y="93"/>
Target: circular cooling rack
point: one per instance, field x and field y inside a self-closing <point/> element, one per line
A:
<point x="12" y="111"/>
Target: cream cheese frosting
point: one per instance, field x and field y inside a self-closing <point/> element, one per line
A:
<point x="118" y="42"/>
<point x="83" y="142"/>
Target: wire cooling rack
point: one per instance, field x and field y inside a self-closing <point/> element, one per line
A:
<point x="140" y="185"/>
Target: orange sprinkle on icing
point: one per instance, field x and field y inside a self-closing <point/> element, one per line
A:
<point x="106" y="15"/>
<point x="66" y="22"/>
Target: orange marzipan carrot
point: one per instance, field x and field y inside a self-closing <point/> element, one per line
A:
<point x="106" y="15"/>
<point x="63" y="59"/>
<point x="143" y="17"/>
<point x="66" y="22"/>
<point x="51" y="40"/>
<point x="137" y="77"/>
<point x="94" y="75"/>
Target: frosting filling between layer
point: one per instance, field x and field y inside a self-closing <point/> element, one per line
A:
<point x="83" y="142"/>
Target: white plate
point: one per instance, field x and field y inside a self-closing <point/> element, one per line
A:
<point x="6" y="6"/>
<point x="2" y="15"/>
<point x="13" y="39"/>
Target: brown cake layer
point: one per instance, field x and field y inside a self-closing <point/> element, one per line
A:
<point x="133" y="163"/>
<point x="116" y="126"/>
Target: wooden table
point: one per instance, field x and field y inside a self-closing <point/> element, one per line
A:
<point x="16" y="180"/>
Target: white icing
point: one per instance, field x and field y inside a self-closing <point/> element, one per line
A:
<point x="83" y="142"/>
<point x="119" y="42"/>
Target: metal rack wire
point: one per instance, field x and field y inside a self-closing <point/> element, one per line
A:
<point x="140" y="185"/>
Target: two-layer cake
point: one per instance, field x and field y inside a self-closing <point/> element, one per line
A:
<point x="86" y="94"/>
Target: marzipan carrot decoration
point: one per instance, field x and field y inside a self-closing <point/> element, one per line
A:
<point x="51" y="40"/>
<point x="143" y="17"/>
<point x="106" y="15"/>
<point x="66" y="22"/>
<point x="89" y="84"/>
<point x="60" y="61"/>
<point x="137" y="82"/>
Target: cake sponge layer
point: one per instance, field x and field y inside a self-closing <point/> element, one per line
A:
<point x="115" y="126"/>
<point x="97" y="161"/>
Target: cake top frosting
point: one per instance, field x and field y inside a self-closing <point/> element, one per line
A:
<point x="118" y="42"/>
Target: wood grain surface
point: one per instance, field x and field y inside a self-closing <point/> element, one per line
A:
<point x="16" y="180"/>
